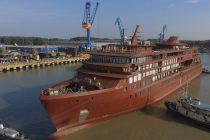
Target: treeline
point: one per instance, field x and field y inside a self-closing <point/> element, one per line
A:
<point x="94" y="39"/>
<point x="198" y="43"/>
<point x="204" y="46"/>
<point x="12" y="40"/>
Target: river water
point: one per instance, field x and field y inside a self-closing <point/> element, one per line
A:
<point x="21" y="109"/>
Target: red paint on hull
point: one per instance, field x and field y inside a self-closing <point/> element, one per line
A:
<point x="64" y="110"/>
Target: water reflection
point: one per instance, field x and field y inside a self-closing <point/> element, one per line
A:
<point x="20" y="107"/>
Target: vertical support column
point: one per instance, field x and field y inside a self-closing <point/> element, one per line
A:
<point x="88" y="39"/>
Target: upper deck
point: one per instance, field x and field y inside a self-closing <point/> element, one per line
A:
<point x="117" y="59"/>
<point x="124" y="51"/>
<point x="129" y="51"/>
<point x="116" y="65"/>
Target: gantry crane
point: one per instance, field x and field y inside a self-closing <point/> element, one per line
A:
<point x="162" y="34"/>
<point x="88" y="20"/>
<point x="121" y="30"/>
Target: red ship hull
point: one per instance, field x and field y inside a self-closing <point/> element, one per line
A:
<point x="64" y="110"/>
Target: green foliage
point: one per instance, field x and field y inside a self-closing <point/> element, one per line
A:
<point x="203" y="45"/>
<point x="94" y="39"/>
<point x="11" y="40"/>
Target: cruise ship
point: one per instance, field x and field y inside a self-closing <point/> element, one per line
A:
<point x="119" y="79"/>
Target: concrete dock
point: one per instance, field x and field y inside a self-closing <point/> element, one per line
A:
<point x="41" y="63"/>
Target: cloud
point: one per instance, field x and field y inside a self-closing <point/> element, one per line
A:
<point x="192" y="1"/>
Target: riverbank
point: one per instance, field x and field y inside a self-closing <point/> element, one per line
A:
<point x="41" y="63"/>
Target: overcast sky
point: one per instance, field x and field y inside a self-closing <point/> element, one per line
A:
<point x="189" y="19"/>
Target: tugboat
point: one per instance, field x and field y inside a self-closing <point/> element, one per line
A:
<point x="10" y="133"/>
<point x="205" y="69"/>
<point x="191" y="108"/>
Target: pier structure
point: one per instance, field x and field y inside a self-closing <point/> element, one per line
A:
<point x="41" y="63"/>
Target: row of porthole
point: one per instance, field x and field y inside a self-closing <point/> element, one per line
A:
<point x="77" y="100"/>
<point x="137" y="94"/>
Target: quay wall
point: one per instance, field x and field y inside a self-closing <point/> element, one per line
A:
<point x="41" y="63"/>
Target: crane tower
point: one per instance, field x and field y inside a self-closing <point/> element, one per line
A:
<point x="88" y="20"/>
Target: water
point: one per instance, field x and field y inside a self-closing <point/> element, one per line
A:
<point x="151" y="123"/>
<point x="21" y="109"/>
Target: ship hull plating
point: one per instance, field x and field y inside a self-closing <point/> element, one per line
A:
<point x="67" y="111"/>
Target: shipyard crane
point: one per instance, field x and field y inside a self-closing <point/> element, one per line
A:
<point x="88" y="20"/>
<point x="121" y="30"/>
<point x="162" y="34"/>
<point x="134" y="39"/>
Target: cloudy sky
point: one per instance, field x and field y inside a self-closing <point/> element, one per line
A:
<point x="189" y="19"/>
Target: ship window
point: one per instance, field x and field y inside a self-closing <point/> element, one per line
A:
<point x="83" y="115"/>
<point x="130" y="80"/>
<point x="143" y="74"/>
<point x="153" y="78"/>
<point x="153" y="71"/>
<point x="131" y="60"/>
<point x="139" y="76"/>
<point x="125" y="89"/>
<point x="134" y="85"/>
<point x="139" y="68"/>
<point x="135" y="78"/>
<point x="143" y="67"/>
<point x="124" y="69"/>
<point x="147" y="73"/>
<point x="150" y="65"/>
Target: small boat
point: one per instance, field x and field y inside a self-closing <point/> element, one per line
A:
<point x="191" y="108"/>
<point x="206" y="70"/>
<point x="10" y="133"/>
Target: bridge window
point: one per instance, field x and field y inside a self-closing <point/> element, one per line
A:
<point x="135" y="78"/>
<point x="139" y="76"/>
<point x="130" y="80"/>
<point x="144" y="74"/>
<point x="150" y="65"/>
